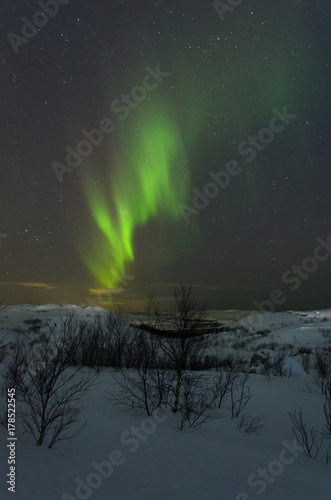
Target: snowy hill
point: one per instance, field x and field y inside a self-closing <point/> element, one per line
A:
<point x="127" y="456"/>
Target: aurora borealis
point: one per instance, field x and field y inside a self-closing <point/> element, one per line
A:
<point x="150" y="181"/>
<point x="176" y="90"/>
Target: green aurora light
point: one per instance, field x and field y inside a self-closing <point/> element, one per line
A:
<point x="151" y="179"/>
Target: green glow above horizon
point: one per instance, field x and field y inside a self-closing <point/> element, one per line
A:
<point x="149" y="180"/>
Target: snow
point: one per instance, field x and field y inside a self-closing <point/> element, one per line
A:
<point x="212" y="462"/>
<point x="291" y="366"/>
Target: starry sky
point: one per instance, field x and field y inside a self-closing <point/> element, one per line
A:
<point x="154" y="142"/>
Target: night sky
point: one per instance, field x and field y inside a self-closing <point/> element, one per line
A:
<point x="149" y="143"/>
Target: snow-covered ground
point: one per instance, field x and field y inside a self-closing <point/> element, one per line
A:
<point x="123" y="456"/>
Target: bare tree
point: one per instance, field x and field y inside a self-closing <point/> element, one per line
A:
<point x="150" y="307"/>
<point x="162" y="373"/>
<point x="179" y="352"/>
<point x="49" y="390"/>
<point x="187" y="313"/>
<point x="187" y="316"/>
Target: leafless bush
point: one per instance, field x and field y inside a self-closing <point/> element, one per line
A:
<point x="240" y="344"/>
<point x="197" y="402"/>
<point x="179" y="353"/>
<point x="278" y="365"/>
<point x="275" y="365"/>
<point x="184" y="346"/>
<point x="304" y="349"/>
<point x="140" y="389"/>
<point x="240" y="394"/>
<point x="233" y="363"/>
<point x="35" y="324"/>
<point x="14" y="373"/>
<point x="249" y="423"/>
<point x="146" y="386"/>
<point x="322" y="366"/>
<point x="99" y="343"/>
<point x="326" y="332"/>
<point x="233" y="383"/>
<point x="310" y="439"/>
<point x="287" y="348"/>
<point x="222" y="388"/>
<point x="117" y="340"/>
<point x="48" y="390"/>
<point x="267" y="368"/>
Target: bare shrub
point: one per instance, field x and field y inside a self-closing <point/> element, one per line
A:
<point x="233" y="383"/>
<point x="240" y="394"/>
<point x="35" y="324"/>
<point x="250" y="423"/>
<point x="197" y="402"/>
<point x="240" y="344"/>
<point x="49" y="391"/>
<point x="322" y="367"/>
<point x="274" y="365"/>
<point x="222" y="388"/>
<point x="118" y="336"/>
<point x="267" y="368"/>
<point x="278" y="365"/>
<point x="98" y="343"/>
<point x="145" y="386"/>
<point x="326" y="332"/>
<point x="310" y="439"/>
